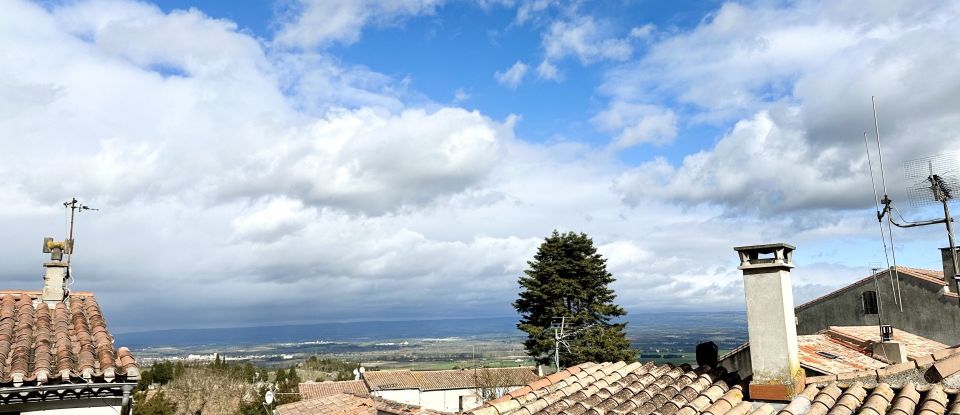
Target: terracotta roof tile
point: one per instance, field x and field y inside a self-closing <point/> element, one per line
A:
<point x="621" y="388"/>
<point x="881" y="399"/>
<point x="40" y="344"/>
<point x="348" y="404"/>
<point x="312" y="390"/>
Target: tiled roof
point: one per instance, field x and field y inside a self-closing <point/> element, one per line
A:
<point x="868" y="335"/>
<point x="842" y="349"/>
<point x="448" y="379"/>
<point x="621" y="388"/>
<point x="348" y="404"/>
<point x="927" y="275"/>
<point x="65" y="343"/>
<point x="311" y="390"/>
<point x="856" y="398"/>
<point x="823" y="354"/>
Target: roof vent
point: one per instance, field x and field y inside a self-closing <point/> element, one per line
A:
<point x="886" y="333"/>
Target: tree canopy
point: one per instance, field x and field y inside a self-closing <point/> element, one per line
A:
<point x="568" y="278"/>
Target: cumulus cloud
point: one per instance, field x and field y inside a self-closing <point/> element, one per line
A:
<point x="796" y="83"/>
<point x="637" y="123"/>
<point x="585" y="39"/>
<point x="314" y="23"/>
<point x="513" y="76"/>
<point x="299" y="187"/>
<point x="548" y="71"/>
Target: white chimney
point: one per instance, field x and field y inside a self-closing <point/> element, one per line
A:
<point x="771" y="323"/>
<point x="56" y="271"/>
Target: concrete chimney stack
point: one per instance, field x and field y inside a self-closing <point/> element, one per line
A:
<point x="56" y="272"/>
<point x="948" y="269"/>
<point x="771" y="323"/>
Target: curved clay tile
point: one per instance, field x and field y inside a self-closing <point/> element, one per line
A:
<point x="7" y="307"/>
<point x="935" y="401"/>
<point x="825" y="399"/>
<point x="64" y="345"/>
<point x="42" y="344"/>
<point x="906" y="400"/>
<point x="23" y="336"/>
<point x="878" y="401"/>
<point x="850" y="400"/>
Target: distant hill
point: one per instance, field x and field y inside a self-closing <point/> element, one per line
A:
<point x="645" y="328"/>
<point x="354" y="332"/>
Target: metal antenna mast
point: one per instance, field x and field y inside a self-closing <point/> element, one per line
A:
<point x="886" y="199"/>
<point x="560" y="336"/>
<point x="74" y="206"/>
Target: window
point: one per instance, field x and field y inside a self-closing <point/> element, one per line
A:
<point x="870" y="302"/>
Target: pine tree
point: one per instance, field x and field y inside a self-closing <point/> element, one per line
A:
<point x="568" y="278"/>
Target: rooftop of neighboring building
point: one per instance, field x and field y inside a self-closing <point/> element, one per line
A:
<point x="65" y="342"/>
<point x="350" y="404"/>
<point x="622" y="388"/>
<point x="312" y="390"/>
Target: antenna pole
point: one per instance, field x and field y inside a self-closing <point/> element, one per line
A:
<point x="953" y="247"/>
<point x="876" y="198"/>
<point x="886" y="200"/>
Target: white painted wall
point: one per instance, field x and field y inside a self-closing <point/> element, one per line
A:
<point x="447" y="400"/>
<point x="407" y="396"/>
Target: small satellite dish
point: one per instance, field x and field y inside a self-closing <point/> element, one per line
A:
<point x="268" y="397"/>
<point x="363" y="370"/>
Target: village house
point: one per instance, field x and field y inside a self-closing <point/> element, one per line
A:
<point x="925" y="383"/>
<point x="56" y="354"/>
<point x="919" y="301"/>
<point x="439" y="390"/>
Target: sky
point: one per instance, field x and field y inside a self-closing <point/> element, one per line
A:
<point x="296" y="161"/>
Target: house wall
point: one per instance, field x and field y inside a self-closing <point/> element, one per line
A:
<point x="926" y="311"/>
<point x="448" y="400"/>
<point x="407" y="396"/>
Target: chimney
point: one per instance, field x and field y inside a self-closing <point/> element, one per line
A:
<point x="56" y="271"/>
<point x="892" y="351"/>
<point x="771" y="323"/>
<point x="949" y="272"/>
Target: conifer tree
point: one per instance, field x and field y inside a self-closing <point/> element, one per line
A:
<point x="568" y="278"/>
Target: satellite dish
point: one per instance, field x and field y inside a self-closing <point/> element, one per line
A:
<point x="362" y="370"/>
<point x="268" y="397"/>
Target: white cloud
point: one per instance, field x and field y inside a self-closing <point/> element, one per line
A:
<point x="460" y="95"/>
<point x="643" y="32"/>
<point x="546" y="70"/>
<point x="796" y="82"/>
<point x="584" y="38"/>
<point x="637" y="123"/>
<point x="222" y="165"/>
<point x="320" y="22"/>
<point x="513" y="76"/>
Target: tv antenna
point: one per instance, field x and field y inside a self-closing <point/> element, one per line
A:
<point x="74" y="206"/>
<point x="560" y="336"/>
<point x="888" y="233"/>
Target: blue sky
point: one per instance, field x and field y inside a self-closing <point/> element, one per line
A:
<point x="321" y="160"/>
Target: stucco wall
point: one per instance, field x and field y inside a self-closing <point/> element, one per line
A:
<point x="407" y="396"/>
<point x="926" y="312"/>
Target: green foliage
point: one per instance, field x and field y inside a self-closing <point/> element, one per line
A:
<point x="568" y="278"/>
<point x="157" y="405"/>
<point x="336" y="368"/>
<point x="288" y="382"/>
